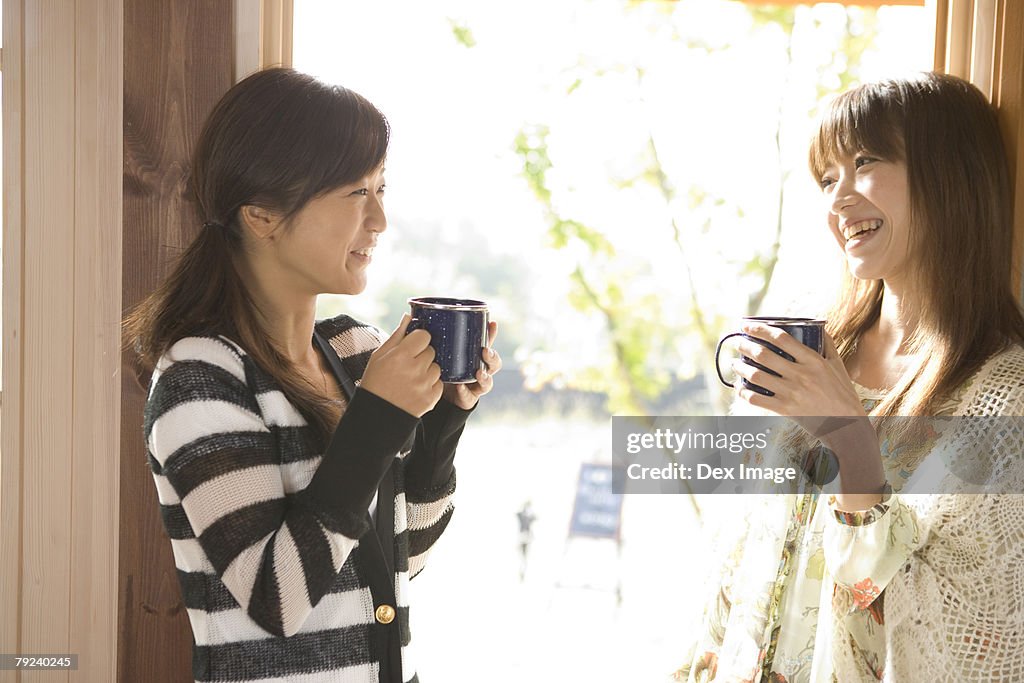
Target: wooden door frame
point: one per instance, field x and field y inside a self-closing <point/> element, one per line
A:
<point x="983" y="41"/>
<point x="62" y="157"/>
<point x="218" y="44"/>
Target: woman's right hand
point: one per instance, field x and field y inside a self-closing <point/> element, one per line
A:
<point x="402" y="371"/>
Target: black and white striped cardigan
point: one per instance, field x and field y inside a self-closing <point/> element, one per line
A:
<point x="283" y="572"/>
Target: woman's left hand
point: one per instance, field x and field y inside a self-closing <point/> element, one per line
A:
<point x="809" y="386"/>
<point x="465" y="396"/>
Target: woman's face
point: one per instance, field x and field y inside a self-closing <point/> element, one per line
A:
<point x="868" y="201"/>
<point x="330" y="242"/>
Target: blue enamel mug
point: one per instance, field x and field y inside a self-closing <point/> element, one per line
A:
<point x="458" y="333"/>
<point x="808" y="331"/>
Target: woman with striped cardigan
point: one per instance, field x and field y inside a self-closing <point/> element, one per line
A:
<point x="304" y="469"/>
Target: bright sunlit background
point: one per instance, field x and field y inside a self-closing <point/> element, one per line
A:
<point x="620" y="181"/>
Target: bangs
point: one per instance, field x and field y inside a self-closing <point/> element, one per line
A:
<point x="865" y="119"/>
<point x="363" y="136"/>
<point x="353" y="141"/>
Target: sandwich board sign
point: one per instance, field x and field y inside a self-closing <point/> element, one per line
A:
<point x="596" y="511"/>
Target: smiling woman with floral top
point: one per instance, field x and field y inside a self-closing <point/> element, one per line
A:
<point x="872" y="583"/>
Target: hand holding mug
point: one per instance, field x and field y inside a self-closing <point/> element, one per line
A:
<point x="402" y="371"/>
<point x="807" y="331"/>
<point x="466" y="395"/>
<point x="461" y="335"/>
<point x="790" y="367"/>
<point x="802" y="382"/>
<point x="812" y="388"/>
<point x="817" y="392"/>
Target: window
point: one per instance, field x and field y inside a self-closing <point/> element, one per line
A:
<point x="618" y="180"/>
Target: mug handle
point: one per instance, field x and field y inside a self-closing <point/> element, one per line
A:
<point x="762" y="342"/>
<point x="718" y="351"/>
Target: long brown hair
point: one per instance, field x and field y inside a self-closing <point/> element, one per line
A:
<point x="961" y="234"/>
<point x="276" y="139"/>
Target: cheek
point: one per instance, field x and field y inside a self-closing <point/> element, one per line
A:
<point x="833" y="227"/>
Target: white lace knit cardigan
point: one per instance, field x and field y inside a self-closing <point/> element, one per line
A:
<point x="955" y="610"/>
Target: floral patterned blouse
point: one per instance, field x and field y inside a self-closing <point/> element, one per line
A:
<point x="804" y="601"/>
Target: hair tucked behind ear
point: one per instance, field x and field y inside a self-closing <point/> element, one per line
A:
<point x="277" y="139"/>
<point x="961" y="227"/>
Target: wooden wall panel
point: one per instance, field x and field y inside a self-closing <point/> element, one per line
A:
<point x="49" y="78"/>
<point x="983" y="41"/>
<point x="277" y="18"/>
<point x="61" y="321"/>
<point x="11" y="469"/>
<point x="248" y="28"/>
<point x="1008" y="96"/>
<point x="263" y="35"/>
<point x="941" y="34"/>
<point x="96" y="387"/>
<point x="178" y="62"/>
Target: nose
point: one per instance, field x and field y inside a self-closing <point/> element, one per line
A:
<point x="376" y="220"/>
<point x="844" y="195"/>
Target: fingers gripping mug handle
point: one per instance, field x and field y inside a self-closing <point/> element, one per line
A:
<point x="718" y="351"/>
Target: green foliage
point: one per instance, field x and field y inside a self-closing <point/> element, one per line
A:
<point x="531" y="144"/>
<point x="664" y="7"/>
<point x="628" y="378"/>
<point x="842" y="71"/>
<point x="637" y="338"/>
<point x="773" y="15"/>
<point x="462" y="33"/>
<point x="634" y="337"/>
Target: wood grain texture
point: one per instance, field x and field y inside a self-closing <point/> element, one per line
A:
<point x="11" y="468"/>
<point x="941" y="35"/>
<point x="178" y="62"/>
<point x="277" y="18"/>
<point x="983" y="42"/>
<point x="1008" y="96"/>
<point x="959" y="38"/>
<point x="96" y="388"/>
<point x="62" y="155"/>
<point x="1001" y="56"/>
<point x="248" y="26"/>
<point x="47" y="279"/>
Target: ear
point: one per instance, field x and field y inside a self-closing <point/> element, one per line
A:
<point x="258" y="222"/>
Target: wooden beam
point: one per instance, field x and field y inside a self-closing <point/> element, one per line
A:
<point x="179" y="59"/>
<point x="12" y="471"/>
<point x="48" y="203"/>
<point x="983" y="46"/>
<point x="1008" y="96"/>
<point x="959" y="38"/>
<point x="248" y="28"/>
<point x="96" y="337"/>
<point x="61" y="328"/>
<point x="941" y="35"/>
<point x="276" y="36"/>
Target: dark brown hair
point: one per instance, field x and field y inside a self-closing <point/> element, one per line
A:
<point x="276" y="139"/>
<point x="961" y="234"/>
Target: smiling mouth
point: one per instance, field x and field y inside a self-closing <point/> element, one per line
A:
<point x="366" y="252"/>
<point x="861" y="227"/>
